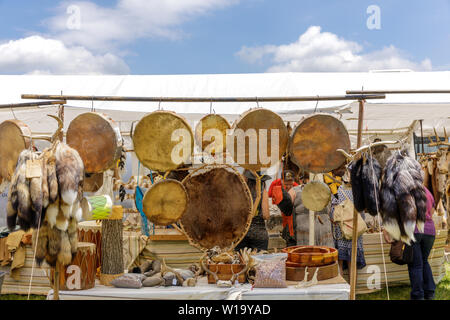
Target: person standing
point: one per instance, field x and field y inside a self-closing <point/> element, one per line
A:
<point x="257" y="236"/>
<point x="420" y="274"/>
<point x="278" y="191"/>
<point x="343" y="245"/>
<point x="322" y="226"/>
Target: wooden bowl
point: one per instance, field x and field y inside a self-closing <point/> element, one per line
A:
<point x="309" y="256"/>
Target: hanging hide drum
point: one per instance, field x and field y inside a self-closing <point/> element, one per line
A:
<point x="163" y="141"/>
<point x="316" y="195"/>
<point x="165" y="202"/>
<point x="80" y="274"/>
<point x="97" y="139"/>
<point x="208" y="129"/>
<point x="13" y="142"/>
<point x="260" y="139"/>
<point x="314" y="142"/>
<point x="220" y="206"/>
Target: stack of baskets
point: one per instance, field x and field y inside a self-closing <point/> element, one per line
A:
<point x="311" y="257"/>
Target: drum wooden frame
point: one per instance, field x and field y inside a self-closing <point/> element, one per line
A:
<point x="314" y="141"/>
<point x="13" y="142"/>
<point x="191" y="226"/>
<point x="152" y="140"/>
<point x="324" y="273"/>
<point x="97" y="139"/>
<point x="260" y="118"/>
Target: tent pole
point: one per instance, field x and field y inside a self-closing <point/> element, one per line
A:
<point x="353" y="272"/>
<point x="421" y="136"/>
<point x="203" y="99"/>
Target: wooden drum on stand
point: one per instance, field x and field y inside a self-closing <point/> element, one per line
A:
<point x="97" y="139"/>
<point x="163" y="141"/>
<point x="80" y="274"/>
<point x="91" y="232"/>
<point x="219" y="211"/>
<point x="265" y="133"/>
<point x="314" y="142"/>
<point x="12" y="144"/>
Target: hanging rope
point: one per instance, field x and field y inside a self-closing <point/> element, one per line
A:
<point x="379" y="223"/>
<point x="317" y="104"/>
<point x="12" y="110"/>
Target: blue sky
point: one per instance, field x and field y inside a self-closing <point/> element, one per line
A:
<point x="222" y="36"/>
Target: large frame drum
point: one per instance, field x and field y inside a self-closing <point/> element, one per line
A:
<point x="220" y="207"/>
<point x="154" y="145"/>
<point x="254" y="122"/>
<point x="12" y="142"/>
<point x="97" y="139"/>
<point x="314" y="142"/>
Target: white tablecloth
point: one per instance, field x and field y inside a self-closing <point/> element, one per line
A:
<point x="204" y="291"/>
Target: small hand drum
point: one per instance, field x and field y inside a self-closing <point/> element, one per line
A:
<point x="165" y="202"/>
<point x="316" y="196"/>
<point x="206" y="130"/>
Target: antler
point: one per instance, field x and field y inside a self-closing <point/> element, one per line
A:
<point x="236" y="275"/>
<point x="53" y="137"/>
<point x="214" y="274"/>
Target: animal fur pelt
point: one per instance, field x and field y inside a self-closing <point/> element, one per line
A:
<point x="370" y="177"/>
<point x="357" y="185"/>
<point x="365" y="174"/>
<point x="70" y="173"/>
<point x="403" y="197"/>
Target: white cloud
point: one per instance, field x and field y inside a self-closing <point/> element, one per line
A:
<point x="104" y="28"/>
<point x="38" y="55"/>
<point x="316" y="51"/>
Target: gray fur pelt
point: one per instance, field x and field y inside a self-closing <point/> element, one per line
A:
<point x="403" y="197"/>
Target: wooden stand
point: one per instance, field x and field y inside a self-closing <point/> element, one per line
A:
<point x="112" y="251"/>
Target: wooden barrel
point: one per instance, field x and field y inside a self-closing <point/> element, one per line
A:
<point x="316" y="195"/>
<point x="90" y="231"/>
<point x="80" y="274"/>
<point x="97" y="139"/>
<point x="157" y="144"/>
<point x="13" y="143"/>
<point x="219" y="210"/>
<point x="206" y="131"/>
<point x="258" y="125"/>
<point x="165" y="202"/>
<point x="325" y="272"/>
<point x="314" y="142"/>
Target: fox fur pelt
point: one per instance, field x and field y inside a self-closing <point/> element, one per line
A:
<point x="403" y="197"/>
<point x="365" y="174"/>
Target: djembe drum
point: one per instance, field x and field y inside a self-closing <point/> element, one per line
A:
<point x="91" y="232"/>
<point x="80" y="274"/>
<point x="219" y="211"/>
<point x="97" y="139"/>
<point x="13" y="142"/>
<point x="314" y="142"/>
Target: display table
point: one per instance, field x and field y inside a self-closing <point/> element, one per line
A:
<point x="332" y="289"/>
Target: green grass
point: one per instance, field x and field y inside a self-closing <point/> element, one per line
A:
<point x="403" y="292"/>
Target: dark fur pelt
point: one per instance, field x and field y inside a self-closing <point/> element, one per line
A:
<point x="357" y="185"/>
<point x="365" y="176"/>
<point x="370" y="177"/>
<point x="403" y="197"/>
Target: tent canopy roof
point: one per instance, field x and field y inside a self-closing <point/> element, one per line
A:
<point x="396" y="112"/>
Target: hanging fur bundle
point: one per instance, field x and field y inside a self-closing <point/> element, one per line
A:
<point x="365" y="175"/>
<point x="403" y="197"/>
